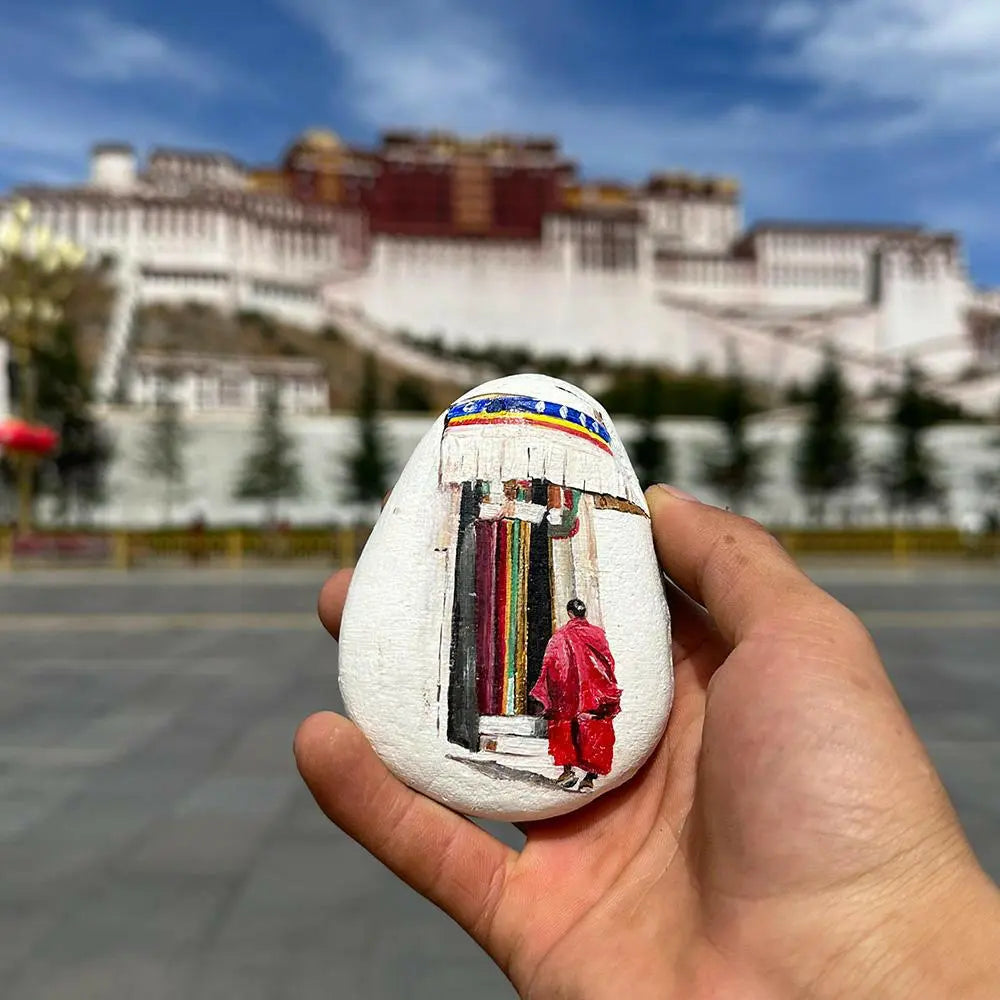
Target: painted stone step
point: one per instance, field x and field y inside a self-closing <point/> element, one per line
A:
<point x="512" y="725"/>
<point x="521" y="746"/>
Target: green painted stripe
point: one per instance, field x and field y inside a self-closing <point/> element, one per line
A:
<point x="513" y="612"/>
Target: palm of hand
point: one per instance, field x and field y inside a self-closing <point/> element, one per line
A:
<point x="788" y="790"/>
<point x="756" y="818"/>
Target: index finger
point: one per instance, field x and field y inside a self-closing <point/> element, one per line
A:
<point x="331" y="601"/>
<point x="729" y="564"/>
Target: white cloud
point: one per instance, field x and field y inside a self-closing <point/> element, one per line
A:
<point x="47" y="138"/>
<point x="418" y="62"/>
<point x="79" y="76"/>
<point x="934" y="62"/>
<point x="89" y="46"/>
<point x="98" y="47"/>
<point x="792" y="16"/>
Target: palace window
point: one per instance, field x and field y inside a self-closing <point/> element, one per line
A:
<point x="231" y="391"/>
<point x="206" y="392"/>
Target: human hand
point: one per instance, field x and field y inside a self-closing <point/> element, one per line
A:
<point x="789" y="837"/>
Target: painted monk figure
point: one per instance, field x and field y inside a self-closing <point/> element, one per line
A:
<point x="580" y="696"/>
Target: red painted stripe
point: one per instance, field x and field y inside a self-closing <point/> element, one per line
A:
<point x="501" y="613"/>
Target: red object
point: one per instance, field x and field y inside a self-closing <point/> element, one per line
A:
<point x="32" y="439"/>
<point x="578" y="690"/>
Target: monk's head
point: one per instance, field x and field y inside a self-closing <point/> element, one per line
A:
<point x="576" y="608"/>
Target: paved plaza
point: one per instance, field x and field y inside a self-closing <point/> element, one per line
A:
<point x="156" y="841"/>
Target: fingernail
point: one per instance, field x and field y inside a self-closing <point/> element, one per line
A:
<point x="676" y="493"/>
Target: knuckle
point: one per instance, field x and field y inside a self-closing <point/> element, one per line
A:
<point x="752" y="526"/>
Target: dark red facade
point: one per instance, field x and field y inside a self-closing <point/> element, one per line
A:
<point x="521" y="198"/>
<point x="412" y="200"/>
<point x="432" y="184"/>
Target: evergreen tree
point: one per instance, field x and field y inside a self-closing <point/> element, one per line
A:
<point x="75" y="474"/>
<point x="827" y="455"/>
<point x="910" y="479"/>
<point x="650" y="452"/>
<point x="162" y="456"/>
<point x="411" y="396"/>
<point x="271" y="470"/>
<point x="735" y="468"/>
<point x="370" y="464"/>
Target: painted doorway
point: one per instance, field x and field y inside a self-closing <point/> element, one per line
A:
<point x="524" y="548"/>
<point x="513" y="604"/>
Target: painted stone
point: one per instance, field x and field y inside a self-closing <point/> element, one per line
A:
<point x="505" y="645"/>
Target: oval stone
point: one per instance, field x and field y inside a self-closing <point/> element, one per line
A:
<point x="505" y="644"/>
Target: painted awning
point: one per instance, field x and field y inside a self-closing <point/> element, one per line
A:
<point x="496" y="438"/>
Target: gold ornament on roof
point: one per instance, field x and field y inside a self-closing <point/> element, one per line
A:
<point x="321" y="140"/>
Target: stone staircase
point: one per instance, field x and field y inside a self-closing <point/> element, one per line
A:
<point x="368" y="335"/>
<point x="116" y="345"/>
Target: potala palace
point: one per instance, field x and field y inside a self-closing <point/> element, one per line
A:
<point x="496" y="242"/>
<point x="499" y="242"/>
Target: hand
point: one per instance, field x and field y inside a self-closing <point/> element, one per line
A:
<point x="789" y="838"/>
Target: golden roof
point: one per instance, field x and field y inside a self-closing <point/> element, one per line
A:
<point x="320" y="139"/>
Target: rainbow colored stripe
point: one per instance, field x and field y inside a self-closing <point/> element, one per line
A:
<point x="490" y="410"/>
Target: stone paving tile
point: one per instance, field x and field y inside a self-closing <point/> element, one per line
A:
<point x="129" y="938"/>
<point x="156" y="843"/>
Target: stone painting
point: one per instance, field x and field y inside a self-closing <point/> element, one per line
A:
<point x="530" y="667"/>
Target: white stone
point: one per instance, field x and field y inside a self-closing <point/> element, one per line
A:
<point x="424" y="666"/>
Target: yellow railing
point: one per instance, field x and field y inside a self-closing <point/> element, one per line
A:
<point x="340" y="546"/>
<point x="898" y="544"/>
<point x="220" y="547"/>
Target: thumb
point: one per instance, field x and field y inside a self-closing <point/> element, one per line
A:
<point x="445" y="857"/>
<point x="728" y="563"/>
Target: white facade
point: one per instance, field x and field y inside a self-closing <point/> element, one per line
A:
<point x="187" y="230"/>
<point x="204" y="384"/>
<point x="672" y="278"/>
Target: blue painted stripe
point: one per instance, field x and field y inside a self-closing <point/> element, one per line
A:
<point x="485" y="405"/>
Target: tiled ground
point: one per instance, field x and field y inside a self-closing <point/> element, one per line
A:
<point x="155" y="841"/>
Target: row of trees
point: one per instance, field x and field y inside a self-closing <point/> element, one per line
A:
<point x="271" y="470"/>
<point x="827" y="460"/>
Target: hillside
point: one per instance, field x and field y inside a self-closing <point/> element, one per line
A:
<point x="198" y="329"/>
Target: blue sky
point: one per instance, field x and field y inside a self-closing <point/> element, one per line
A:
<point x="827" y="109"/>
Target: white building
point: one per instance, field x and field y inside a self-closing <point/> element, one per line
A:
<point x="666" y="275"/>
<point x="189" y="229"/>
<point x="200" y="383"/>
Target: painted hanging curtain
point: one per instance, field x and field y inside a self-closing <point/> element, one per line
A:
<point x="531" y="678"/>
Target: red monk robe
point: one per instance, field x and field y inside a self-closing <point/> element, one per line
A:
<point x="578" y="690"/>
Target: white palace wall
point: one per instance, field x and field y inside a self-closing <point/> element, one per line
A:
<point x="518" y="297"/>
<point x="666" y="287"/>
<point x="679" y="311"/>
